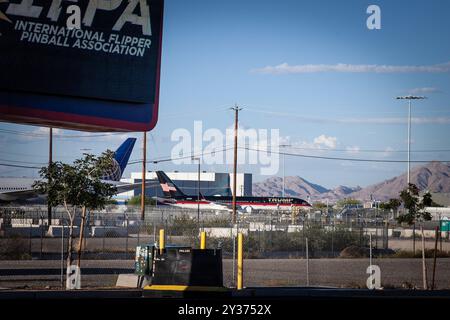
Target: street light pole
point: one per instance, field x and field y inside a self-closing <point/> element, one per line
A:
<point x="409" y="142"/>
<point x="409" y="98"/>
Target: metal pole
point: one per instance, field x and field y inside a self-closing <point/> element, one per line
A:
<point x="144" y="162"/>
<point x="62" y="253"/>
<point x="198" y="195"/>
<point x="409" y="139"/>
<point x="236" y="119"/>
<point x="370" y="249"/>
<point x="434" y="257"/>
<point x="203" y="240"/>
<point x="240" y="275"/>
<point x="50" y="160"/>
<point x="30" y="234"/>
<point x="414" y="239"/>
<point x="424" y="265"/>
<point x="234" y="255"/>
<point x="126" y="241"/>
<point x="41" y="226"/>
<point x="162" y="244"/>
<point x="284" y="175"/>
<point x="307" y="263"/>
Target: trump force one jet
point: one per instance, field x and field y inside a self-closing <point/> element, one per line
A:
<point x="175" y="197"/>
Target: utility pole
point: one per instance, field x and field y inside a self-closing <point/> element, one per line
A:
<point x="236" y="119"/>
<point x="409" y="98"/>
<point x="144" y="162"/>
<point x="50" y="160"/>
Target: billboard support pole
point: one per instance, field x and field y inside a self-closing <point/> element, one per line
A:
<point x="236" y="120"/>
<point x="50" y="160"/>
<point x="144" y="160"/>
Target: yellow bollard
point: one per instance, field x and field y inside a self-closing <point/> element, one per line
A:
<point x="161" y="241"/>
<point x="203" y="240"/>
<point x="240" y="261"/>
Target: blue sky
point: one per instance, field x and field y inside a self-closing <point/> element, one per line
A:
<point x="255" y="54"/>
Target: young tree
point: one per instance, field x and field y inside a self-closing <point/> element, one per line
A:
<point x="136" y="201"/>
<point x="415" y="206"/>
<point x="392" y="204"/>
<point x="77" y="187"/>
<point x="348" y="202"/>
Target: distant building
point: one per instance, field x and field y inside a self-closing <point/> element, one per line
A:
<point x="211" y="184"/>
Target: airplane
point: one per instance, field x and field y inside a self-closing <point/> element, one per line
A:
<point x="19" y="189"/>
<point x="173" y="196"/>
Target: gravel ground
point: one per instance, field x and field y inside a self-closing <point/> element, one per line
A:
<point x="266" y="272"/>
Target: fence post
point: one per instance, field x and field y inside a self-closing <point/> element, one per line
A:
<point x="203" y="240"/>
<point x="424" y="265"/>
<point x="103" y="239"/>
<point x="139" y="232"/>
<point x="31" y="235"/>
<point x="161" y="241"/>
<point x="41" y="233"/>
<point x="307" y="263"/>
<point x="62" y="253"/>
<point x="233" y="239"/>
<point x="126" y="240"/>
<point x="434" y="257"/>
<point x="240" y="275"/>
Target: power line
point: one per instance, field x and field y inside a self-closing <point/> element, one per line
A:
<point x="59" y="136"/>
<point x="339" y="158"/>
<point x="18" y="166"/>
<point x="157" y="160"/>
<point x="368" y="150"/>
<point x="26" y="162"/>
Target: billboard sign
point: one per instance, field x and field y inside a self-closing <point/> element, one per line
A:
<point x="102" y="75"/>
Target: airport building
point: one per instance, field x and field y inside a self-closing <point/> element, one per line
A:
<point x="211" y="184"/>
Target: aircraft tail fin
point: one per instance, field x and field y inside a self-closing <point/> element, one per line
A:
<point x="169" y="188"/>
<point x="120" y="161"/>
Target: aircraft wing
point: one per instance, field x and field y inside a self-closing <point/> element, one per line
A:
<point x="18" y="195"/>
<point x="124" y="187"/>
<point x="227" y="206"/>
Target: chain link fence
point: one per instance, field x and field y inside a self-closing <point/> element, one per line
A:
<point x="274" y="244"/>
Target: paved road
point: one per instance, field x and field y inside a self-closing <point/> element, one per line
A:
<point x="266" y="272"/>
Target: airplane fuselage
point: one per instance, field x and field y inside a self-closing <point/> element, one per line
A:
<point x="243" y="203"/>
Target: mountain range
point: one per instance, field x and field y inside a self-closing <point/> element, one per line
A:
<point x="433" y="177"/>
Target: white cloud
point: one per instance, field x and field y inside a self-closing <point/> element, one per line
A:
<point x="323" y="140"/>
<point x="353" y="149"/>
<point x="424" y="90"/>
<point x="285" y="68"/>
<point x="317" y="146"/>
<point x="387" y="152"/>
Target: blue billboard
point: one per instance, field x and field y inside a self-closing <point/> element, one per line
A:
<point x="102" y="75"/>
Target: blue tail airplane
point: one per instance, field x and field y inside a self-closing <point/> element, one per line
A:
<point x="13" y="189"/>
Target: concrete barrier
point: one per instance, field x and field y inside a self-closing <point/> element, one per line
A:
<point x="109" y="231"/>
<point x="223" y="232"/>
<point x="22" y="231"/>
<point x="127" y="281"/>
<point x="56" y="231"/>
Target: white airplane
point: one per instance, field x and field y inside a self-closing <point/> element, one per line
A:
<point x="173" y="196"/>
<point x="13" y="189"/>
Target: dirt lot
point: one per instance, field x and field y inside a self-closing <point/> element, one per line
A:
<point x="267" y="272"/>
